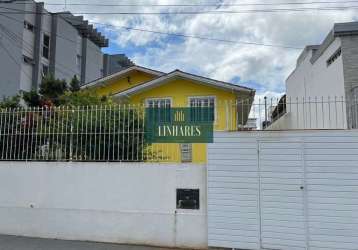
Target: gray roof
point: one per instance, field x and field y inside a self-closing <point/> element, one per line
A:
<point x="344" y="29"/>
<point x="180" y="74"/>
<point x="84" y="28"/>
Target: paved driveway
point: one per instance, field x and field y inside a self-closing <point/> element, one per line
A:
<point x="24" y="243"/>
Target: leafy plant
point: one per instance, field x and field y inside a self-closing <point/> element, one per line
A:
<point x="10" y="102"/>
<point x="52" y="89"/>
<point x="75" y="84"/>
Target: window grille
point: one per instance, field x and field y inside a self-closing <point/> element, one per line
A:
<point x="29" y="26"/>
<point x="203" y="108"/>
<point x="186" y="152"/>
<point x="334" y="57"/>
<point x="160" y="109"/>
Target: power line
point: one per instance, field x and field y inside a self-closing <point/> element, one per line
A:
<point x="200" y="37"/>
<point x="23" y="44"/>
<point x="197" y="37"/>
<point x="200" y="5"/>
<point x="47" y="31"/>
<point x="247" y="11"/>
<point x="14" y="59"/>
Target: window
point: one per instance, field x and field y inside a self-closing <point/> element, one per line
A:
<point x="27" y="60"/>
<point x="188" y="199"/>
<point x="45" y="70"/>
<point x="159" y="109"/>
<point x="202" y="108"/>
<point x="46" y="46"/>
<point x="158" y="103"/>
<point x="186" y="152"/>
<point x="334" y="57"/>
<point x="29" y="26"/>
<point x="78" y="62"/>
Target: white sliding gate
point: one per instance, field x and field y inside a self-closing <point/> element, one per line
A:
<point x="283" y="190"/>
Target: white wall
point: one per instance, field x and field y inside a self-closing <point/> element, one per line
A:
<point x="109" y="202"/>
<point x="309" y="81"/>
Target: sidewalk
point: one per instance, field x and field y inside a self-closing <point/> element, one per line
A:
<point x="23" y="243"/>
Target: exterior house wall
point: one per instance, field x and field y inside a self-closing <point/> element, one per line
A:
<point x="94" y="62"/>
<point x="127" y="81"/>
<point x="179" y="91"/>
<point x="45" y="29"/>
<point x="310" y="83"/>
<point x="350" y="64"/>
<point x="10" y="65"/>
<point x="28" y="49"/>
<point x="66" y="51"/>
<point x="108" y="202"/>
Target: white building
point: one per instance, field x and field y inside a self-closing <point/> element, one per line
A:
<point x="323" y="88"/>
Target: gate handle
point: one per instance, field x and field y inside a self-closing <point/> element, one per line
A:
<point x="301" y="187"/>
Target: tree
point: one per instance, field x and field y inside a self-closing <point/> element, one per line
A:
<point x="51" y="88"/>
<point x="32" y="98"/>
<point x="79" y="125"/>
<point x="75" y="84"/>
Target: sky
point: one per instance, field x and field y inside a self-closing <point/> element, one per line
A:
<point x="263" y="68"/>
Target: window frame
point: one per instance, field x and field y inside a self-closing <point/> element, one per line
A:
<point x="147" y="100"/>
<point x="334" y="57"/>
<point x="42" y="69"/>
<point x="28" y="60"/>
<point x="190" y="149"/>
<point x="203" y="97"/>
<point x="158" y="99"/>
<point x="29" y="26"/>
<point x="45" y="46"/>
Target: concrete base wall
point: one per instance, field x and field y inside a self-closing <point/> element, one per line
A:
<point x="107" y="202"/>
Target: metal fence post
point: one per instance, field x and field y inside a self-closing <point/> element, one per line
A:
<point x="71" y="135"/>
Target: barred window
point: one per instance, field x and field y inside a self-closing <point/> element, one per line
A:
<point x="160" y="109"/>
<point x="186" y="152"/>
<point x="203" y="108"/>
<point x="334" y="56"/>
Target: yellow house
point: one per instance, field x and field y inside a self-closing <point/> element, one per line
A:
<point x="142" y="86"/>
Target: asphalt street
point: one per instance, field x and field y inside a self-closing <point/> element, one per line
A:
<point x="23" y="243"/>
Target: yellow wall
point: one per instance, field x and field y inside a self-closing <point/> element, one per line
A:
<point x="135" y="77"/>
<point x="179" y="90"/>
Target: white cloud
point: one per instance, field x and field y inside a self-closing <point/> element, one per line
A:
<point x="268" y="67"/>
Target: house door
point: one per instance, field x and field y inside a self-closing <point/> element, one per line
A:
<point x="282" y="211"/>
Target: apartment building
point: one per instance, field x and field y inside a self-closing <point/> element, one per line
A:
<point x="322" y="91"/>
<point x="115" y="63"/>
<point x="35" y="42"/>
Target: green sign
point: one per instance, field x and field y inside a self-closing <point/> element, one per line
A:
<point x="179" y="125"/>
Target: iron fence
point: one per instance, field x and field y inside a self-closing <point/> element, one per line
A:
<point x="96" y="133"/>
<point x="117" y="132"/>
<point x="288" y="113"/>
